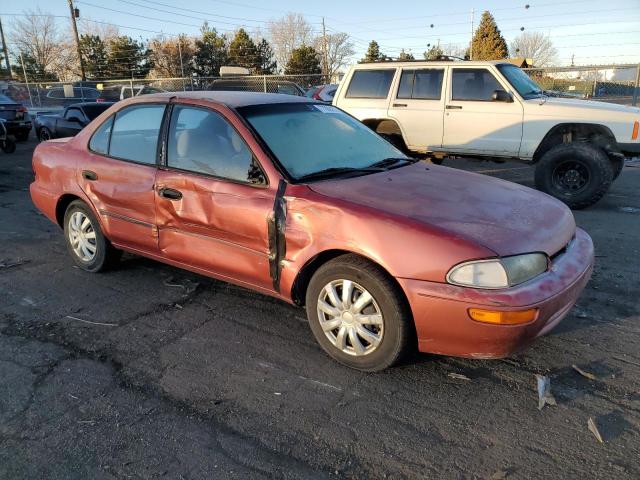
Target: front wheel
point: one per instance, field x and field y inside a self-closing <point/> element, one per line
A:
<point x="358" y="315"/>
<point x="579" y="174"/>
<point x="44" y="134"/>
<point x="86" y="244"/>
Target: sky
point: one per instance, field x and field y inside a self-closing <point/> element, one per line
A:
<point x="590" y="31"/>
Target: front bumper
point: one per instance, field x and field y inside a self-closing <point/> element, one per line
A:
<point x="440" y="311"/>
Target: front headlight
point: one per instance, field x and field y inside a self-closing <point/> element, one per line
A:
<point x="498" y="273"/>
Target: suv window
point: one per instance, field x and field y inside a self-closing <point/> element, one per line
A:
<point x="421" y="84"/>
<point x="202" y="141"/>
<point x="473" y="84"/>
<point x="135" y="133"/>
<point x="370" y="83"/>
<point x="100" y="140"/>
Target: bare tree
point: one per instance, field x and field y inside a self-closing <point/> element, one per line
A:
<point x="288" y="33"/>
<point x="534" y="45"/>
<point x="37" y="36"/>
<point x="165" y="56"/>
<point x="453" y="50"/>
<point x="105" y="31"/>
<point x="339" y="50"/>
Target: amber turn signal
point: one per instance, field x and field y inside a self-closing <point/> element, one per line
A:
<point x="503" y="318"/>
<point x="634" y="134"/>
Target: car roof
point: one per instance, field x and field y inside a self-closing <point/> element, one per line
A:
<point x="431" y="63"/>
<point x="90" y="104"/>
<point x="232" y="99"/>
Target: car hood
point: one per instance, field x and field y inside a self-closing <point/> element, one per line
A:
<point x="586" y="104"/>
<point x="504" y="217"/>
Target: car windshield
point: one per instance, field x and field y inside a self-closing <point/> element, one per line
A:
<point x="319" y="141"/>
<point x="519" y="80"/>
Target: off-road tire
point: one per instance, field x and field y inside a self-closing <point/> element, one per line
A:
<point x="618" y="165"/>
<point x="106" y="255"/>
<point x="586" y="157"/>
<point x="399" y="332"/>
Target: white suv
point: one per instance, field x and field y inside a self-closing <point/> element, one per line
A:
<point x="493" y="110"/>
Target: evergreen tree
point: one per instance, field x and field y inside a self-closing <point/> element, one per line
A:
<point x="128" y="58"/>
<point x="243" y="52"/>
<point x="267" y="64"/>
<point x="373" y="53"/>
<point x="94" y="54"/>
<point x="405" y="56"/>
<point x="35" y="70"/>
<point x="210" y="54"/>
<point x="434" y="53"/>
<point x="488" y="43"/>
<point x="304" y="60"/>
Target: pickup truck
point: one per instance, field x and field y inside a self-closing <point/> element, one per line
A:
<point x="67" y="124"/>
<point x="494" y="111"/>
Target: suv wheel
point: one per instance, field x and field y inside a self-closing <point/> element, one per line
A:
<point x="358" y="315"/>
<point x="579" y="174"/>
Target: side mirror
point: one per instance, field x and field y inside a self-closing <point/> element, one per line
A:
<point x="501" y="96"/>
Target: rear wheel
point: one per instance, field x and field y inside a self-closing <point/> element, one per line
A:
<point x="358" y="315"/>
<point x="86" y="244"/>
<point x="579" y="174"/>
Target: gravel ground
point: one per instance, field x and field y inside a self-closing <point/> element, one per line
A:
<point x="149" y="371"/>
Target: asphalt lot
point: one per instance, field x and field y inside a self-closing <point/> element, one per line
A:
<point x="148" y="371"/>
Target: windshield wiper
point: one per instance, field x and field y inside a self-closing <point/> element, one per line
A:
<point x="338" y="171"/>
<point x="390" y="162"/>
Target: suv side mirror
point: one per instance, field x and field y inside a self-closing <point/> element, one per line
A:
<point x="501" y="96"/>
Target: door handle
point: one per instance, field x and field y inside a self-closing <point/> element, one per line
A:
<point x="170" y="193"/>
<point x="453" y="107"/>
<point x="399" y="104"/>
<point x="89" y="175"/>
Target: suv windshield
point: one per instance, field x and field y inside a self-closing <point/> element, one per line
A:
<point x="320" y="141"/>
<point x="519" y="80"/>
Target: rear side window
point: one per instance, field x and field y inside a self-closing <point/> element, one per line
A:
<point x="370" y="84"/>
<point x="473" y="84"/>
<point x="100" y="140"/>
<point x="421" y="84"/>
<point x="135" y="133"/>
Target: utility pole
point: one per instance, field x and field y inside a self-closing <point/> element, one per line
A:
<point x="471" y="44"/>
<point x="325" y="59"/>
<point x="5" y="50"/>
<point x="74" y="14"/>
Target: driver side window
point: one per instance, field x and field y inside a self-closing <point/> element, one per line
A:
<point x="473" y="84"/>
<point x="202" y="141"/>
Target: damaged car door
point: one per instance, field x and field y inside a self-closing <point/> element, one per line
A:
<point x="213" y="200"/>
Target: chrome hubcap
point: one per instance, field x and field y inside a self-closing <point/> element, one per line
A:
<point x="82" y="236"/>
<point x="350" y="317"/>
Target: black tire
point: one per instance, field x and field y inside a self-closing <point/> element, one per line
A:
<point x="106" y="256"/>
<point x="398" y="332"/>
<point x="23" y="136"/>
<point x="9" y="145"/>
<point x="44" y="134"/>
<point x="396" y="140"/>
<point x="618" y="165"/>
<point x="579" y="174"/>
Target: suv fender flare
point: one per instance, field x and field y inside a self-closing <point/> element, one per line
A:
<point x="594" y="133"/>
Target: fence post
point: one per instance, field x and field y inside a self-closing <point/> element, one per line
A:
<point x="634" y="101"/>
<point x="264" y="79"/>
<point x="24" y="72"/>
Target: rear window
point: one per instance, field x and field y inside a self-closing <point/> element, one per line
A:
<point x="370" y="84"/>
<point x="421" y="84"/>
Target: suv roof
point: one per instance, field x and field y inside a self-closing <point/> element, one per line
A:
<point x="431" y="63"/>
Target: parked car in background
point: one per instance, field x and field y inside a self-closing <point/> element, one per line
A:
<point x="296" y="199"/>
<point x="67" y="124"/>
<point x="17" y="120"/>
<point x="257" y="84"/>
<point x="323" y="93"/>
<point x="67" y="95"/>
<point x="495" y="111"/>
<point x="7" y="143"/>
<point x="120" y="92"/>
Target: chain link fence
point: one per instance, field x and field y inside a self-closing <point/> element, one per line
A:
<point x="607" y="83"/>
<point x="55" y="95"/>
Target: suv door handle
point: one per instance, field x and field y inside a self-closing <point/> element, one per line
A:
<point x="399" y="104"/>
<point x="89" y="175"/>
<point x="170" y="193"/>
<point x="453" y="107"/>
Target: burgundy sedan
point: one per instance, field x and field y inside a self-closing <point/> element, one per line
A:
<point x="298" y="200"/>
